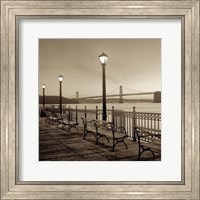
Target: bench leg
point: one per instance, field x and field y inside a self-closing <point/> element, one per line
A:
<point x="63" y="126"/>
<point x="125" y="144"/>
<point x="97" y="138"/>
<point x="118" y="141"/>
<point x="143" y="150"/>
<point x="84" y="134"/>
<point x="70" y="127"/>
<point x="113" y="148"/>
<point x="107" y="139"/>
<point x="140" y="153"/>
<point x="57" y="124"/>
<point x="152" y="153"/>
<point x="100" y="136"/>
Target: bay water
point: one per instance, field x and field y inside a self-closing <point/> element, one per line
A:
<point x="139" y="107"/>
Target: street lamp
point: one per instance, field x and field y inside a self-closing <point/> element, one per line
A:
<point x="43" y="89"/>
<point x="103" y="60"/>
<point x="60" y="78"/>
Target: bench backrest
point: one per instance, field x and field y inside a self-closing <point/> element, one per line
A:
<point x="151" y="136"/>
<point x="105" y="128"/>
<point x="48" y="114"/>
<point x="58" y="116"/>
<point x="89" y="124"/>
<point x="105" y="125"/>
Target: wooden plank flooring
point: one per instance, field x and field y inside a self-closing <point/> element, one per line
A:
<point x="56" y="144"/>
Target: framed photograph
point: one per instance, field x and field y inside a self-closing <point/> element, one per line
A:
<point x="100" y="99"/>
<point x="125" y="107"/>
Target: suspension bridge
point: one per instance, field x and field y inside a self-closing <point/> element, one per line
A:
<point x="156" y="96"/>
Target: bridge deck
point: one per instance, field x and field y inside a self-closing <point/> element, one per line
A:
<point x="117" y="95"/>
<point x="56" y="144"/>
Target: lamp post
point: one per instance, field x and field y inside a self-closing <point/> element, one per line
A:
<point x="103" y="60"/>
<point x="43" y="89"/>
<point x="60" y="78"/>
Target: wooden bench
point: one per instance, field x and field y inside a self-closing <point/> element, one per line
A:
<point x="50" y="117"/>
<point x="105" y="129"/>
<point x="88" y="126"/>
<point x="64" y="120"/>
<point x="148" y="140"/>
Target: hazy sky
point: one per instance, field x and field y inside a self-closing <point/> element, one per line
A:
<point x="133" y="63"/>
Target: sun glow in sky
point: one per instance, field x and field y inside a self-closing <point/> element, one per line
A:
<point x="133" y="63"/>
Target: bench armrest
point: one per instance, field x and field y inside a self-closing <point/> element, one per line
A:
<point x="147" y="134"/>
<point x="120" y="129"/>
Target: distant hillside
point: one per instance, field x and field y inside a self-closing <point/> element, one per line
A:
<point x="56" y="100"/>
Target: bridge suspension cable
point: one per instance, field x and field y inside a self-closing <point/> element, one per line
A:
<point x="82" y="95"/>
<point x="132" y="89"/>
<point x="72" y="96"/>
<point x="116" y="89"/>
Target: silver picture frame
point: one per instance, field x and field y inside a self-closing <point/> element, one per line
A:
<point x="12" y="11"/>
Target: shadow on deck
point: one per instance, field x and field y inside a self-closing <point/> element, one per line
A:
<point x="56" y="144"/>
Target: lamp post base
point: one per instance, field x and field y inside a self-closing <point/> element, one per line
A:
<point x="104" y="117"/>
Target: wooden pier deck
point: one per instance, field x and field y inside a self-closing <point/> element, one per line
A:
<point x="56" y="144"/>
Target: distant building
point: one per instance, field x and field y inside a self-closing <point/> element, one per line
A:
<point x="157" y="97"/>
<point x="121" y="94"/>
<point x="77" y="97"/>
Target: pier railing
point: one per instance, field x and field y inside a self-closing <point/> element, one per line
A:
<point x="129" y="120"/>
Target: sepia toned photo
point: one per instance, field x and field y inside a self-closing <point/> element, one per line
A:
<point x="99" y="99"/>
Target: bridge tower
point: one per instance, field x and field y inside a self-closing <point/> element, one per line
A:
<point x="121" y="94"/>
<point x="157" y="97"/>
<point x="77" y="97"/>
